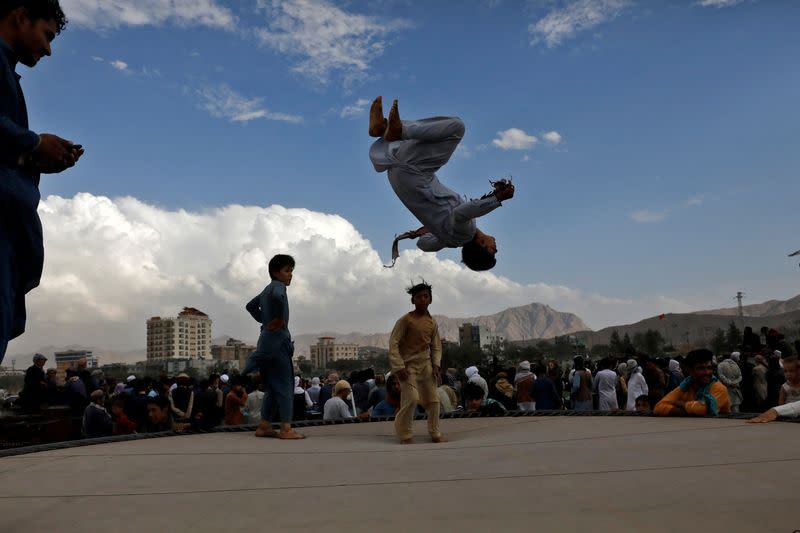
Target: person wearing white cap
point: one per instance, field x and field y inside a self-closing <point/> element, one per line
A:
<point x="523" y="383"/>
<point x="473" y="376"/>
<point x="730" y="375"/>
<point x="637" y="386"/>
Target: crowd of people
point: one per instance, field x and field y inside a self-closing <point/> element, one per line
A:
<point x="762" y="380"/>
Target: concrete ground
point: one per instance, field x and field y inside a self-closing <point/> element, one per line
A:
<point x="590" y="474"/>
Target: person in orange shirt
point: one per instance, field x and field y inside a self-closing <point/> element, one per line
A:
<point x="700" y="394"/>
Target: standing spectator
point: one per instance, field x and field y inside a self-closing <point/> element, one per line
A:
<point x="302" y="401"/>
<point x="730" y="375"/>
<point x="474" y="376"/>
<point x="122" y="424"/>
<point x="545" y="393"/>
<point x="775" y="377"/>
<point x="760" y="384"/>
<point x="35" y="389"/>
<point x="181" y="398"/>
<point x="674" y="374"/>
<point x="655" y="378"/>
<point x="75" y="391"/>
<point x="313" y="390"/>
<point x="27" y="29"/>
<point x="582" y="386"/>
<point x="606" y="387"/>
<point x="53" y="395"/>
<point x="622" y="385"/>
<point x="254" y="401"/>
<point x="96" y="420"/>
<point x="523" y="384"/>
<point x="700" y="394"/>
<point x="790" y="391"/>
<point x="637" y="386"/>
<point x="234" y="403"/>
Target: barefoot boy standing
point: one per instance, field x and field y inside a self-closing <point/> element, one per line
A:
<point x="412" y="152"/>
<point x="273" y="355"/>
<point x="415" y="355"/>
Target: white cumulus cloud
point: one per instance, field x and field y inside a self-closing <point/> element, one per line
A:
<point x="514" y="139"/>
<point x="112" y="263"/>
<point x="719" y="3"/>
<point x="324" y="37"/>
<point x="646" y="216"/>
<point x="574" y="17"/>
<point x="105" y="14"/>
<point x="553" y="137"/>
<point x="355" y="109"/>
<point x="119" y="64"/>
<point x="221" y="101"/>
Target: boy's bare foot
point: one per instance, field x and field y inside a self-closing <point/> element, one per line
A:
<point x="265" y="430"/>
<point x="377" y="122"/>
<point x="407" y="441"/>
<point x="438" y="439"/>
<point x="290" y="435"/>
<point x="394" y="127"/>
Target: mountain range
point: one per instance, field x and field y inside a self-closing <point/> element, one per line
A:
<point x="530" y="323"/>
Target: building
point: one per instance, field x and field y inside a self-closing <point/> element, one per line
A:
<point x="186" y="336"/>
<point x="326" y="351"/>
<point x="70" y="358"/>
<point x="476" y="336"/>
<point x="233" y="350"/>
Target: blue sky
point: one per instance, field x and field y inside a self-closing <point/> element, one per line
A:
<point x="670" y="187"/>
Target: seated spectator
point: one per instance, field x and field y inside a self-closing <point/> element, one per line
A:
<point x="302" y="401"/>
<point x="642" y="404"/>
<point x="700" y="394"/>
<point x="474" y="376"/>
<point x="337" y="407"/>
<point x="502" y="391"/>
<point x="122" y="424"/>
<point x="235" y="401"/>
<point x="313" y="390"/>
<point x="474" y="402"/>
<point x="159" y="414"/>
<point x="96" y="420"/>
<point x="788" y="410"/>
<point x="790" y="390"/>
<point x="731" y="376"/>
<point x="326" y="392"/>
<point x="254" y="401"/>
<point x="378" y="394"/>
<point x="390" y="405"/>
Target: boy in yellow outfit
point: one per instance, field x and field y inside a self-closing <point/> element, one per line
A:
<point x="415" y="355"/>
<point x="700" y="394"/>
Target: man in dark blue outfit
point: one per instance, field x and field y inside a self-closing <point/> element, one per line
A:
<point x="26" y="29"/>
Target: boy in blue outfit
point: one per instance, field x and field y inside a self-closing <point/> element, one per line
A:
<point x="273" y="355"/>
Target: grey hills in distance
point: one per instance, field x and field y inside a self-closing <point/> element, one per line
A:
<point x="526" y="324"/>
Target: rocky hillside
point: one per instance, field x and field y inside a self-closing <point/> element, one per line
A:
<point x="768" y="308"/>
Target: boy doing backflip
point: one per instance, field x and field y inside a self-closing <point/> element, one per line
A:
<point x="412" y="152"/>
<point x="415" y="355"/>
